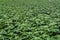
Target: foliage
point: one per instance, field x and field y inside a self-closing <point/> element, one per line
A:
<point x="29" y="19"/>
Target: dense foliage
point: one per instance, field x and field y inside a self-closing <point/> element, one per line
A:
<point x="29" y="19"/>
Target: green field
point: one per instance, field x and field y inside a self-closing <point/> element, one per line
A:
<point x="29" y="19"/>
